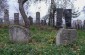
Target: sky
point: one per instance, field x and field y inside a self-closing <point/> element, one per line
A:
<point x="42" y="7"/>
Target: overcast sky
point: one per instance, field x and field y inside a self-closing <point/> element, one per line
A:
<point x="41" y="7"/>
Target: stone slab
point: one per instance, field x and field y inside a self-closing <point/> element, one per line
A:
<point x="66" y="36"/>
<point x="19" y="34"/>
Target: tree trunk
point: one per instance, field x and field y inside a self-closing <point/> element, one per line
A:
<point x="24" y="16"/>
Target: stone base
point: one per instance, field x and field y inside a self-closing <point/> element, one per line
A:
<point x="66" y="36"/>
<point x="19" y="34"/>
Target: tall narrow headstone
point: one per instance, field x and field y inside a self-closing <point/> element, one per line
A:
<point x="31" y="20"/>
<point x="38" y="18"/>
<point x="16" y="18"/>
<point x="68" y="16"/>
<point x="84" y="24"/>
<point x="6" y="17"/>
<point x="1" y="22"/>
<point x="59" y="17"/>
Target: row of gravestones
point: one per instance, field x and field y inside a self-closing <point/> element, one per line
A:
<point x="78" y="24"/>
<point x="17" y="21"/>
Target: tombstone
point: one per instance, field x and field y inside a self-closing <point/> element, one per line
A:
<point x="43" y="22"/>
<point x="16" y="18"/>
<point x="6" y="17"/>
<point x="1" y="22"/>
<point x="66" y="36"/>
<point x="68" y="16"/>
<point x="31" y="20"/>
<point x="74" y="24"/>
<point x="79" y="24"/>
<point x="19" y="34"/>
<point x="84" y="24"/>
<point x="59" y="17"/>
<point x="38" y="18"/>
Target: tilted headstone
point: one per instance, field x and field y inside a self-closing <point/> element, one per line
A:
<point x="59" y="17"/>
<point x="31" y="20"/>
<point x="38" y="18"/>
<point x="6" y="17"/>
<point x="68" y="16"/>
<point x="19" y="34"/>
<point x="16" y="18"/>
<point x="66" y="36"/>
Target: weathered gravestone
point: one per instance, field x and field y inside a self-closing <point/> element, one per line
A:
<point x="37" y="18"/>
<point x="19" y="34"/>
<point x="59" y="17"/>
<point x="79" y="24"/>
<point x="31" y="20"/>
<point x="1" y="22"/>
<point x="84" y="24"/>
<point x="66" y="36"/>
<point x="43" y="22"/>
<point x="68" y="16"/>
<point x="74" y="24"/>
<point x="6" y="17"/>
<point x="16" y="18"/>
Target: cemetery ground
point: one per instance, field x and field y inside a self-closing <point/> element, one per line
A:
<point x="42" y="43"/>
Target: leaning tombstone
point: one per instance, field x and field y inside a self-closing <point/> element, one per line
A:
<point x="19" y="34"/>
<point x="6" y="17"/>
<point x="16" y="18"/>
<point x="37" y="18"/>
<point x="66" y="36"/>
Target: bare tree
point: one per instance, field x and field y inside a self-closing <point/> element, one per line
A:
<point x="3" y="5"/>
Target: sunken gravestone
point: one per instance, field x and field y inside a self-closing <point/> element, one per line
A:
<point x="19" y="34"/>
<point x="59" y="17"/>
<point x="66" y="36"/>
<point x="6" y="17"/>
<point x="16" y="18"/>
<point x="38" y="18"/>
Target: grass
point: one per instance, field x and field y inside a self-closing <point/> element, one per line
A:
<point x="42" y="43"/>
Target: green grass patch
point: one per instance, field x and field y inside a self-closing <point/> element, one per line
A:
<point x="43" y="39"/>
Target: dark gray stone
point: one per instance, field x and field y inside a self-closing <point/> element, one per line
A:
<point x="43" y="22"/>
<point x="6" y="17"/>
<point x="84" y="24"/>
<point x="68" y="16"/>
<point x="19" y="34"/>
<point x="38" y="18"/>
<point x="59" y="17"/>
<point x="31" y="20"/>
<point x="66" y="36"/>
<point x="1" y="21"/>
<point x="16" y="18"/>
